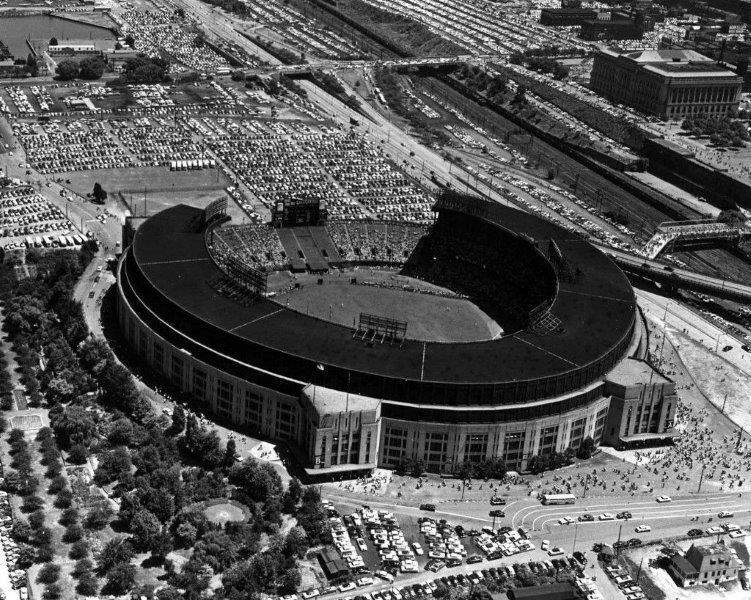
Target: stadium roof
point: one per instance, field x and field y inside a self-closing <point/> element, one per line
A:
<point x="597" y="311"/>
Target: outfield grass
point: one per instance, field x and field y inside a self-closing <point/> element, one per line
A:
<point x="430" y="318"/>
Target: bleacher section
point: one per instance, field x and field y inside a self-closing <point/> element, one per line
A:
<point x="296" y="255"/>
<point x="257" y="245"/>
<point x="497" y="272"/>
<point x="375" y="240"/>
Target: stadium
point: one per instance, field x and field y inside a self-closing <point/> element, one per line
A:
<point x="487" y="334"/>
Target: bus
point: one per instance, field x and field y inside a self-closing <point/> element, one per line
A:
<point x="558" y="499"/>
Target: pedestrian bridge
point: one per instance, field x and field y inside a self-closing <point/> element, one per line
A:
<point x="677" y="236"/>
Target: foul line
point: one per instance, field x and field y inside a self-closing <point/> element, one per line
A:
<point x="271" y="314"/>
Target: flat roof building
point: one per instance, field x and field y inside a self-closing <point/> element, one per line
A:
<point x="671" y="84"/>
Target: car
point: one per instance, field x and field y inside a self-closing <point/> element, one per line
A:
<point x="99" y="269"/>
<point x="695" y="532"/>
<point x="361" y="544"/>
<point x="662" y="499"/>
<point x="586" y="517"/>
<point x="545" y="545"/>
<point x="92" y="293"/>
<point x="473" y="559"/>
<point x="310" y="594"/>
<point x="346" y="587"/>
<point x="623" y="515"/>
<point x="418" y="549"/>
<point x="725" y="514"/>
<point x="643" y="529"/>
<point x="556" y="551"/>
<point x="497" y="501"/>
<point x="607" y="517"/>
<point x="497" y="513"/>
<point x="428" y="507"/>
<point x="580" y="557"/>
<point x="363" y="581"/>
<point x="727" y="348"/>
<point x="634" y="542"/>
<point x="714" y="530"/>
<point x="736" y="534"/>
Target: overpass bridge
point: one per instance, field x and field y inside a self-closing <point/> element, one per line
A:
<point x="679" y="278"/>
<point x="678" y="236"/>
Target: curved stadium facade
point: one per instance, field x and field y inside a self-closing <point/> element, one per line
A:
<point x="569" y="364"/>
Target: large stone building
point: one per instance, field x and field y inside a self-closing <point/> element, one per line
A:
<point x="345" y="401"/>
<point x="671" y="84"/>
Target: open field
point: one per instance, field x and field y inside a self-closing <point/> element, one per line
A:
<point x="429" y="317"/>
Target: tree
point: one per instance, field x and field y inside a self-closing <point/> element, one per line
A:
<point x="186" y="534"/>
<point x="230" y="454"/>
<point x="53" y="41"/>
<point x="91" y="68"/>
<point x="112" y="466"/>
<point x="79" y="550"/>
<point x="98" y="517"/>
<point x="49" y="573"/>
<point x="586" y="449"/>
<point x="117" y="550"/>
<point x="78" y="454"/>
<point x="98" y="193"/>
<point x="66" y="70"/>
<point x="68" y="517"/>
<point x="178" y="420"/>
<point x="52" y="592"/>
<point x="258" y="480"/>
<point x="130" y="40"/>
<point x="72" y="425"/>
<point x="31" y="65"/>
<point x="289" y="581"/>
<point x="32" y="503"/>
<point x="87" y="585"/>
<point x="73" y="533"/>
<point x="521" y="95"/>
<point x="145" y="527"/>
<point x="82" y="567"/>
<point x="296" y="543"/>
<point x="120" y="579"/>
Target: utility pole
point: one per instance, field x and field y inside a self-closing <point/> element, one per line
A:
<point x="576" y="532"/>
<point x="618" y="543"/>
<point x="724" y="402"/>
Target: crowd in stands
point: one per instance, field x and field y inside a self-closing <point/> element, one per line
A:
<point x="374" y="240"/>
<point x="257" y="246"/>
<point x="500" y="273"/>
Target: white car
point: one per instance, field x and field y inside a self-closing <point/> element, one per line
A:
<point x="736" y="534"/>
<point x="662" y="499"/>
<point x="725" y="514"/>
<point x="714" y="530"/>
<point x="643" y="529"/>
<point x="363" y="581"/>
<point x="346" y="587"/>
<point x="545" y="545"/>
<point x="555" y="551"/>
<point x="361" y="545"/>
<point x="418" y="549"/>
<point x="607" y="517"/>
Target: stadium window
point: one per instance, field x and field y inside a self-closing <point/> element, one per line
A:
<point x="224" y="392"/>
<point x="548" y="437"/>
<point x="253" y="415"/>
<point x="475" y="447"/>
<point x="199" y="384"/>
<point x="513" y="447"/>
<point x="158" y="357"/>
<point x="142" y="344"/>
<point x="435" y="450"/>
<point x="177" y="371"/>
<point x="285" y="421"/>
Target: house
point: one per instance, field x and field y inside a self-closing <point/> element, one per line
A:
<point x="705" y="564"/>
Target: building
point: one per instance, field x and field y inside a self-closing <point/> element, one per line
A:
<point x="642" y="405"/>
<point x="713" y="564"/>
<point x="671" y="84"/>
<point x="559" y="17"/>
<point x="346" y="399"/>
<point x="618" y="27"/>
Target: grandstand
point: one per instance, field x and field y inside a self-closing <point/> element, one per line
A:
<point x="348" y="346"/>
